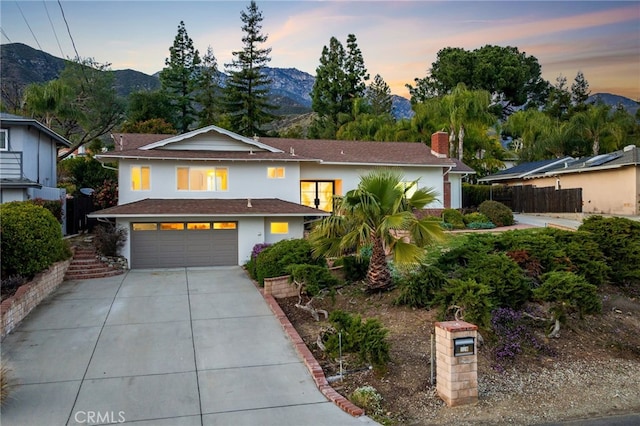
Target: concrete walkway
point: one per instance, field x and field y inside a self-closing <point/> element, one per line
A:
<point x="194" y="346"/>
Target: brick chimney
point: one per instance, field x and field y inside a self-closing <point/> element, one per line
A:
<point x="440" y="144"/>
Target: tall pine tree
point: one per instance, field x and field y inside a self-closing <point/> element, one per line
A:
<point x="379" y="96"/>
<point x="580" y="92"/>
<point x="208" y="92"/>
<point x="247" y="89"/>
<point x="180" y="76"/>
<point x="340" y="80"/>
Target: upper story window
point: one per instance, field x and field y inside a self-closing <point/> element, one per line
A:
<point x="140" y="178"/>
<point x="4" y="140"/>
<point x="275" y="172"/>
<point x="202" y="179"/>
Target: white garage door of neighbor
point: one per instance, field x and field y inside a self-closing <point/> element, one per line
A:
<point x="179" y="244"/>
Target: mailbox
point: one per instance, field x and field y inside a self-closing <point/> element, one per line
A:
<point x="464" y="346"/>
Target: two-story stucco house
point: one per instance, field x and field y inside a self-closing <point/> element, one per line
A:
<point x="28" y="155"/>
<point x="206" y="197"/>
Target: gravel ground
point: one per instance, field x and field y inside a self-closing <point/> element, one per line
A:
<point x="564" y="390"/>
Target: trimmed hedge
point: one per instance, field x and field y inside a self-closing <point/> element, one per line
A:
<point x="454" y="218"/>
<point x="497" y="213"/>
<point x="31" y="239"/>
<point x="274" y="261"/>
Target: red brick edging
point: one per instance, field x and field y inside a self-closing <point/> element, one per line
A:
<point x="309" y="360"/>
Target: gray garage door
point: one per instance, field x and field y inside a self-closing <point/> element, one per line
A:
<point x="178" y="244"/>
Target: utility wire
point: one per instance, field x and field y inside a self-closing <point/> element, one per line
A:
<point x="5" y="35"/>
<point x="27" y="22"/>
<point x="53" y="28"/>
<point x="69" y="31"/>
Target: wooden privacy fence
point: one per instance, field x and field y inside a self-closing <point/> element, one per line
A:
<point x="530" y="199"/>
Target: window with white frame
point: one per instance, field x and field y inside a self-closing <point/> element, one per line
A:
<point x="140" y="178"/>
<point x="4" y="140"/>
<point x="279" y="227"/>
<point x="275" y="172"/>
<point x="202" y="179"/>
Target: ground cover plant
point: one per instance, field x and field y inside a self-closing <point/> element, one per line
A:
<point x="519" y="286"/>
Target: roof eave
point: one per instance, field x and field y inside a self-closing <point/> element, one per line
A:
<point x="183" y="215"/>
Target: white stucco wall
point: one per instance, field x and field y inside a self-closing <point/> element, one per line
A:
<point x="246" y="180"/>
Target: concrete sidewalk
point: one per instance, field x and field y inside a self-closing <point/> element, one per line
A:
<point x="194" y="346"/>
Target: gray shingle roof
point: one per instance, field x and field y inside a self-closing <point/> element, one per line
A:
<point x="209" y="207"/>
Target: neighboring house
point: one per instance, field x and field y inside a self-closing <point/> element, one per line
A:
<point x="610" y="182"/>
<point x="28" y="158"/>
<point x="208" y="196"/>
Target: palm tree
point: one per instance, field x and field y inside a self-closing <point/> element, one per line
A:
<point x="594" y="125"/>
<point x="380" y="212"/>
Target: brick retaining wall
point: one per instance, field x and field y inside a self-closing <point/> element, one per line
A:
<point x="29" y="295"/>
<point x="281" y="287"/>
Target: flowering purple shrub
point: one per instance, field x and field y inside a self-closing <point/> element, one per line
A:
<point x="514" y="336"/>
<point x="258" y="248"/>
<point x="251" y="264"/>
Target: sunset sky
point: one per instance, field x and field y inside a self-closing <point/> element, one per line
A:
<point x="399" y="39"/>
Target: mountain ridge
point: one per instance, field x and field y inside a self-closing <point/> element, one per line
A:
<point x="21" y="64"/>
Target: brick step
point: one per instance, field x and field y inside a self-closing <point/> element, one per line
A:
<point x="90" y="275"/>
<point x="87" y="267"/>
<point x="77" y="261"/>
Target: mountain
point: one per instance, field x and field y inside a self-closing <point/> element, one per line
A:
<point x="614" y="100"/>
<point x="22" y="65"/>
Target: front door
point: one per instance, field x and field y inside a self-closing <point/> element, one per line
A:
<point x="317" y="194"/>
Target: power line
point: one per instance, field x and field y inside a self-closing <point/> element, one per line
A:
<point x="53" y="28"/>
<point x="29" y="26"/>
<point x="69" y="31"/>
<point x="5" y="35"/>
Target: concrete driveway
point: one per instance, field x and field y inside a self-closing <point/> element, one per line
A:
<point x="194" y="346"/>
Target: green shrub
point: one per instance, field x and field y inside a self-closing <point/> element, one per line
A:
<point x="475" y="217"/>
<point x="472" y="298"/>
<point x="109" y="239"/>
<point x="31" y="239"/>
<point x="481" y="225"/>
<point x="368" y="339"/>
<point x="585" y="254"/>
<point x="454" y="218"/>
<point x="568" y="292"/>
<point x="469" y="247"/>
<point x="355" y="268"/>
<point x="540" y="246"/>
<point x="509" y="287"/>
<point x="314" y="277"/>
<point x="274" y="260"/>
<point x="367" y="398"/>
<point x="497" y="213"/>
<point x="619" y="240"/>
<point x="54" y="206"/>
<point x="419" y="288"/>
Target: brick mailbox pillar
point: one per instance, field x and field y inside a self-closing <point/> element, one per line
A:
<point x="456" y="362"/>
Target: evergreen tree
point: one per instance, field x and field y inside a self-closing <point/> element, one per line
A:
<point x="209" y="89"/>
<point x="580" y="92"/>
<point x="246" y="92"/>
<point x="355" y="70"/>
<point x="179" y="77"/>
<point x="379" y="96"/>
<point x="559" y="99"/>
<point x="328" y="95"/>
<point x="340" y="81"/>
